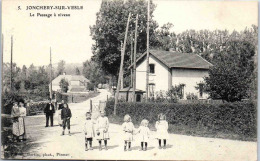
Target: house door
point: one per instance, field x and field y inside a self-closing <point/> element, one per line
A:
<point x="138" y="98"/>
<point x="151" y="89"/>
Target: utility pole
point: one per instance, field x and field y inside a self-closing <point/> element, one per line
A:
<point x="2" y="43"/>
<point x="147" y="55"/>
<point x="50" y="76"/>
<point x="121" y="64"/>
<point x="11" y="73"/>
<point x="131" y="57"/>
<point x="134" y="65"/>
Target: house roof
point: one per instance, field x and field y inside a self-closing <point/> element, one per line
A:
<point x="130" y="89"/>
<point x="69" y="78"/>
<point x="178" y="60"/>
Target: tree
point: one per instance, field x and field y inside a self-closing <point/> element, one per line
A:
<point x="64" y="85"/>
<point x="109" y="30"/>
<point x="165" y="39"/>
<point x="77" y="71"/>
<point x="230" y="77"/>
<point x="61" y="67"/>
<point x="94" y="73"/>
<point x="7" y="77"/>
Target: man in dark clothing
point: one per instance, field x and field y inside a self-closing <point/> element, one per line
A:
<point x="65" y="116"/>
<point x="49" y="111"/>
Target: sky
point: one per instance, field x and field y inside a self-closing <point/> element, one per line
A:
<point x="69" y="37"/>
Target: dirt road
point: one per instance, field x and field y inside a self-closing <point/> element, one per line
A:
<point x="51" y="145"/>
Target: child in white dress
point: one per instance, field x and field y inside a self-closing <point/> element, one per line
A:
<point x="89" y="131"/>
<point x="102" y="129"/>
<point x="144" y="134"/>
<point x="162" y="130"/>
<point x="128" y="129"/>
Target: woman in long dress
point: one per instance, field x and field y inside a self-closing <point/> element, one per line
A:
<point x="21" y="120"/>
<point x="18" y="126"/>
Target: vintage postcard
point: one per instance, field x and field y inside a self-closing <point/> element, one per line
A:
<point x="129" y="80"/>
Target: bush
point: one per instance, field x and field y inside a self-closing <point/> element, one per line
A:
<point x="237" y="118"/>
<point x="191" y="96"/>
<point x="8" y="98"/>
<point x="60" y="96"/>
<point x="35" y="108"/>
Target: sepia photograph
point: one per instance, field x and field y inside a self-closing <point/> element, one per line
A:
<point x="129" y="80"/>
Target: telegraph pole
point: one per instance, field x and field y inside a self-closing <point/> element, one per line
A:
<point x="11" y="73"/>
<point x="2" y="43"/>
<point x="121" y="64"/>
<point x="131" y="57"/>
<point x="147" y="55"/>
<point x="134" y="66"/>
<point x="50" y="76"/>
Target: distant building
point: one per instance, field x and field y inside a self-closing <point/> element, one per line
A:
<point x="77" y="83"/>
<point x="170" y="68"/>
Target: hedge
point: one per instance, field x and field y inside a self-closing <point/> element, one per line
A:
<point x="36" y="107"/>
<point x="238" y="118"/>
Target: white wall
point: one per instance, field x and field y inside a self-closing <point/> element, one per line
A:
<point x="55" y="88"/>
<point x="75" y="83"/>
<point x="189" y="77"/>
<point x="159" y="78"/>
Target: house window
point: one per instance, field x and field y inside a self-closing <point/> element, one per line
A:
<point x="152" y="68"/>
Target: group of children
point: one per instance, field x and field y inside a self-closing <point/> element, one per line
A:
<point x="100" y="130"/>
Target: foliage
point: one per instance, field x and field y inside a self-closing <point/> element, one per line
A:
<point x="109" y="31"/>
<point x="204" y="42"/>
<point x="35" y="107"/>
<point x="62" y="96"/>
<point x="77" y="71"/>
<point x="191" y="96"/>
<point x="91" y="86"/>
<point x="237" y="118"/>
<point x="230" y="77"/>
<point x="61" y="67"/>
<point x="64" y="85"/>
<point x="8" y="98"/>
<point x="165" y="39"/>
<point x="176" y="92"/>
<point x="93" y="73"/>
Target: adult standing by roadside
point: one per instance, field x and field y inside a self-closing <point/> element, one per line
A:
<point x="17" y="126"/>
<point x="49" y="111"/>
<point x="65" y="116"/>
<point x="61" y="106"/>
<point x="22" y="121"/>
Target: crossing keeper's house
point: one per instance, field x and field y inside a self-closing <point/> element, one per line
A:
<point x="170" y="68"/>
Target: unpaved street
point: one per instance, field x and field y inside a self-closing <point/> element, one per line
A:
<point x="51" y="145"/>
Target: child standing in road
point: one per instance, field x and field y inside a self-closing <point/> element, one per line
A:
<point x="89" y="131"/>
<point x="162" y="130"/>
<point x="102" y="129"/>
<point x="65" y="116"/>
<point x="128" y="128"/>
<point x="144" y="134"/>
